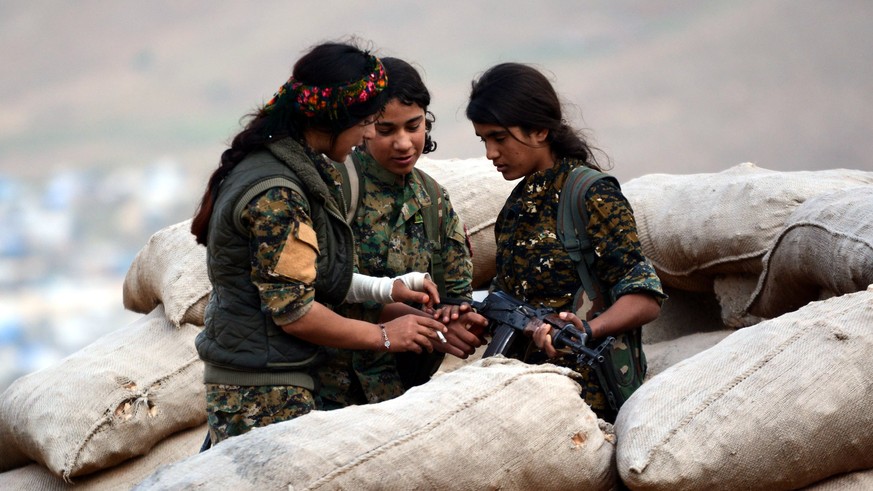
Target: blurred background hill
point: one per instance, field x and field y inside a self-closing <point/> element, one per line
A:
<point x="113" y="114"/>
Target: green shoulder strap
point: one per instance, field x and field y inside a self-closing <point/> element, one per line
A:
<point x="573" y="224"/>
<point x="625" y="369"/>
<point x="433" y="217"/>
<point x="353" y="185"/>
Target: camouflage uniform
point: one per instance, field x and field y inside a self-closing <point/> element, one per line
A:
<point x="391" y="240"/>
<point x="533" y="266"/>
<point x="233" y="410"/>
<point x="273" y="218"/>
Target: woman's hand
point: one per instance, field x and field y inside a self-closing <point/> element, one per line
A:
<point x="542" y="334"/>
<point x="412" y="332"/>
<point x="421" y="290"/>
<point x="448" y="313"/>
<point x="465" y="334"/>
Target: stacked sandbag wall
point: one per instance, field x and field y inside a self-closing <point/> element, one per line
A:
<point x="494" y="424"/>
<point x="779" y="405"/>
<point x="109" y="402"/>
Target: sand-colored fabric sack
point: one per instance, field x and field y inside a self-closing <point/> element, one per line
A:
<point x="478" y="192"/>
<point x="684" y="313"/>
<point x="825" y="249"/>
<point x="733" y="293"/>
<point x="853" y="481"/>
<point x="695" y="226"/>
<point x="112" y="400"/>
<point x="170" y="269"/>
<point x="664" y="354"/>
<point x="778" y="405"/>
<point x="124" y="476"/>
<point x="493" y="424"/>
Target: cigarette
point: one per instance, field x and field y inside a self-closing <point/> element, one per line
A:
<point x="440" y="335"/>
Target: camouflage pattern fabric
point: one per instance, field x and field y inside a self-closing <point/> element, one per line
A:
<point x="391" y="240"/>
<point x="532" y="264"/>
<point x="272" y="217"/>
<point x="356" y="377"/>
<point x="390" y="234"/>
<point x="232" y="410"/>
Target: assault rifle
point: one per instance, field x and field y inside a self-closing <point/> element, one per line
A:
<point x="510" y="321"/>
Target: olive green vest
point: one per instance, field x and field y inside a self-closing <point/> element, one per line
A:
<point x="239" y="343"/>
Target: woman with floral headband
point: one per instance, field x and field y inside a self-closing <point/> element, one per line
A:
<point x="280" y="255"/>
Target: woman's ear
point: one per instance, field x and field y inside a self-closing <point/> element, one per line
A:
<point x="540" y="136"/>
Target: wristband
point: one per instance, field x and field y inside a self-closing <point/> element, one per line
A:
<point x="387" y="343"/>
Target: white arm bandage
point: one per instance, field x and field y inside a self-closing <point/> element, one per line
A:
<point x="364" y="288"/>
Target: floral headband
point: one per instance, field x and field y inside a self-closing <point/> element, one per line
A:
<point x="312" y="99"/>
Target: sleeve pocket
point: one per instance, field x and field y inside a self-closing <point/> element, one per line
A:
<point x="297" y="260"/>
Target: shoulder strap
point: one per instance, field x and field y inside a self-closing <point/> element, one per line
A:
<point x="433" y="217"/>
<point x="573" y="223"/>
<point x="352" y="184"/>
<point x="258" y="188"/>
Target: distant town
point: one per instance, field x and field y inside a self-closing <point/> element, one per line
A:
<point x="66" y="243"/>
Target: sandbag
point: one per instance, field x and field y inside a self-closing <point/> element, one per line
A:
<point x="693" y="227"/>
<point x="733" y="292"/>
<point x="494" y="424"/>
<point x="778" y="405"/>
<point x="664" y="354"/>
<point x="478" y="193"/>
<point x="853" y="481"/>
<point x="684" y="313"/>
<point x="824" y="249"/>
<point x="124" y="476"/>
<point x="110" y="401"/>
<point x="170" y="269"/>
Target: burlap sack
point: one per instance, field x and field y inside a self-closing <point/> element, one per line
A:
<point x="824" y="249"/>
<point x="663" y="355"/>
<point x="853" y="481"/>
<point x="478" y="193"/>
<point x="112" y="400"/>
<point x="494" y="424"/>
<point x="696" y="226"/>
<point x="778" y="405"/>
<point x="733" y="292"/>
<point x="124" y="476"/>
<point x="170" y="269"/>
<point x="684" y="313"/>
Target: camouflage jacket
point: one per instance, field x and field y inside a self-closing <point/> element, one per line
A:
<point x="389" y="232"/>
<point x="533" y="265"/>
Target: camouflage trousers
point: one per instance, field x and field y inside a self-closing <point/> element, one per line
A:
<point x="232" y="410"/>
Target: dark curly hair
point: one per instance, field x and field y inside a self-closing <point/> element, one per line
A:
<point x="405" y="85"/>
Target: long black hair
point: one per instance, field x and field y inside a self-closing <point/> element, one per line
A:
<point x="407" y="87"/>
<point x="325" y="64"/>
<point x="514" y="94"/>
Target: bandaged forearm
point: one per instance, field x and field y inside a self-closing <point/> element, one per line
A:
<point x="370" y="288"/>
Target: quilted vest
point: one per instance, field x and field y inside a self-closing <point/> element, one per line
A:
<point x="239" y="343"/>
